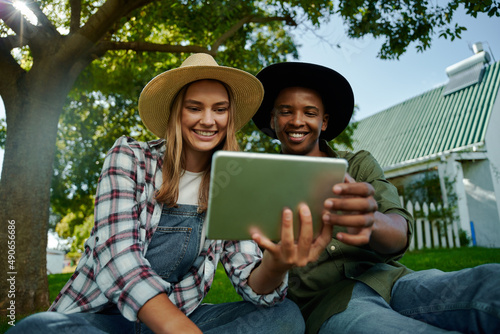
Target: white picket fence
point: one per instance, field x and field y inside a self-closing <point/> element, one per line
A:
<point x="432" y="233"/>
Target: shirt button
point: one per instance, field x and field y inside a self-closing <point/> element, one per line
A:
<point x="332" y="248"/>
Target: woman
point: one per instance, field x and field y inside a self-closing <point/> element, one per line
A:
<point x="146" y="265"/>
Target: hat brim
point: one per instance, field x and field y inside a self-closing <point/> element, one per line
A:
<point x="334" y="89"/>
<point x="157" y="96"/>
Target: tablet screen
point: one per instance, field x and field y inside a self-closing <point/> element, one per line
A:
<point x="248" y="191"/>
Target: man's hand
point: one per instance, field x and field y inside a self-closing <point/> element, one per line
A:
<point x="356" y="209"/>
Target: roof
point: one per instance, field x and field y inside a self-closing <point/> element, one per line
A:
<point x="430" y="123"/>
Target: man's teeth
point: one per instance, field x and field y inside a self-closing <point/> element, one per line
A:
<point x="296" y="135"/>
<point x="205" y="133"/>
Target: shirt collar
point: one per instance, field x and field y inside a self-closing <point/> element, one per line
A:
<point x="155" y="143"/>
<point x="325" y="148"/>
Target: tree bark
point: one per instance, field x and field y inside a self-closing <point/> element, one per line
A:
<point x="32" y="119"/>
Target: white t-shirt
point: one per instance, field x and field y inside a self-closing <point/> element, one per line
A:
<point x="189" y="187"/>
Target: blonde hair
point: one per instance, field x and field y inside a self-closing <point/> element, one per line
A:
<point x="174" y="161"/>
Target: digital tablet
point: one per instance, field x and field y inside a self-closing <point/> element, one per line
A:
<point x="248" y="192"/>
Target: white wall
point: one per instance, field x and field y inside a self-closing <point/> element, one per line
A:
<point x="492" y="141"/>
<point x="452" y="169"/>
<point x="482" y="202"/>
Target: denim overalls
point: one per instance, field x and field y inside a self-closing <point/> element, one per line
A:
<point x="176" y="242"/>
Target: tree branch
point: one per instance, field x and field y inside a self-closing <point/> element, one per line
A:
<point x="8" y="67"/>
<point x="15" y="21"/>
<point x="150" y="47"/>
<point x="42" y="18"/>
<point x="85" y="40"/>
<point x="27" y="33"/>
<point x="76" y="8"/>
<point x="107" y="15"/>
<point x="248" y="19"/>
<point x="104" y="46"/>
<point x="11" y="42"/>
<point x="215" y="46"/>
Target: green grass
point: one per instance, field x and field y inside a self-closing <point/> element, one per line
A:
<point x="450" y="259"/>
<point x="56" y="283"/>
<point x="222" y="291"/>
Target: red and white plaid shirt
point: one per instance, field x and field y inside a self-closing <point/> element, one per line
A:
<point x="113" y="268"/>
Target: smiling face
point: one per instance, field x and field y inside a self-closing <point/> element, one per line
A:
<point x="204" y="121"/>
<point x="298" y="118"/>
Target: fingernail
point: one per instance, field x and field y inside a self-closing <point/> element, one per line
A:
<point x="304" y="210"/>
<point x="337" y="189"/>
<point x="326" y="218"/>
<point x="328" y="204"/>
<point x="287" y="214"/>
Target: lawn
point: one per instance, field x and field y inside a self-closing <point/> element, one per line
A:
<point x="444" y="259"/>
<point x="222" y="291"/>
<point x="450" y="259"/>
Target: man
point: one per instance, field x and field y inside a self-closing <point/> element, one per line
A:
<point x="357" y="285"/>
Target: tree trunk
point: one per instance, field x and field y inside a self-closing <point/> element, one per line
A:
<point x="32" y="119"/>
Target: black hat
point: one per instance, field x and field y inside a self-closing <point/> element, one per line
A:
<point x="334" y="89"/>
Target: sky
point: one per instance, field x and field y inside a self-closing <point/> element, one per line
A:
<point x="379" y="84"/>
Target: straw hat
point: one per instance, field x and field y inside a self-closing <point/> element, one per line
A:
<point x="334" y="89"/>
<point x="157" y="97"/>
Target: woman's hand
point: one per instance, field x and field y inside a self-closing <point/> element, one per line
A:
<point x="279" y="258"/>
<point x="288" y="253"/>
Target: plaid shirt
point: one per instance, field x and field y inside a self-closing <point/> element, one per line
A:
<point x="113" y="268"/>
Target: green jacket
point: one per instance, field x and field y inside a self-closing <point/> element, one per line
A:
<point x="323" y="288"/>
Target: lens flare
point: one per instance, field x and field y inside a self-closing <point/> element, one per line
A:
<point x="27" y="13"/>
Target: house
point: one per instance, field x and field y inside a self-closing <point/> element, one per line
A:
<point x="55" y="261"/>
<point x="454" y="132"/>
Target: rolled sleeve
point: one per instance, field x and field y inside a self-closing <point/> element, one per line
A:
<point x="367" y="169"/>
<point x="239" y="259"/>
